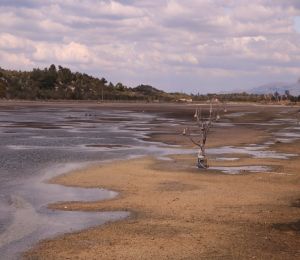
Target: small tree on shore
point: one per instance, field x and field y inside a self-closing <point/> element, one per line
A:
<point x="204" y="124"/>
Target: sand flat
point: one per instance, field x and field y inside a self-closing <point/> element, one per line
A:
<point x="181" y="214"/>
<point x="178" y="212"/>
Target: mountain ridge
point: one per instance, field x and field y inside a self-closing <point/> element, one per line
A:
<point x="280" y="87"/>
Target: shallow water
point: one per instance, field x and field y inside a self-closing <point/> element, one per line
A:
<point x="239" y="114"/>
<point x="227" y="159"/>
<point x="241" y="169"/>
<point x="288" y="135"/>
<point x="255" y="151"/>
<point x="37" y="144"/>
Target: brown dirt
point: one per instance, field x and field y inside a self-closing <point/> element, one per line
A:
<point x="181" y="213"/>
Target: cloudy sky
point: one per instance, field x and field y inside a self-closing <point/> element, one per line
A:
<point x="190" y="45"/>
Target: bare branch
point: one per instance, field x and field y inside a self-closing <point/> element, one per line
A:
<point x="204" y="124"/>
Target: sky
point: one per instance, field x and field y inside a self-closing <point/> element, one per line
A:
<point x="190" y="46"/>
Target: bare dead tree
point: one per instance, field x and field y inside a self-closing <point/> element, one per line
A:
<point x="204" y="125"/>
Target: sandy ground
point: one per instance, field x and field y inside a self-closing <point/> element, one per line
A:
<point x="181" y="213"/>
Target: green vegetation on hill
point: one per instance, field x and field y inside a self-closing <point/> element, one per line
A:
<point x="62" y="83"/>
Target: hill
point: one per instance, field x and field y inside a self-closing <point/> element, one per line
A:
<point x="62" y="83"/>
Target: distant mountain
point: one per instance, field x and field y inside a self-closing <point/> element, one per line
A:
<point x="280" y="87"/>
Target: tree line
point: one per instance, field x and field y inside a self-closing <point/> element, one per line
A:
<point x="246" y="97"/>
<point x="60" y="83"/>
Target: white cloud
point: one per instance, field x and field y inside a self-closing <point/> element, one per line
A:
<point x="13" y="61"/>
<point x="49" y="25"/>
<point x="72" y="52"/>
<point x="11" y="42"/>
<point x="159" y="41"/>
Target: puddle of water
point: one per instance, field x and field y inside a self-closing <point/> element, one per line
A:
<point x="223" y="124"/>
<point x="269" y="143"/>
<point x="287" y="137"/>
<point x="254" y="151"/>
<point x="164" y="158"/>
<point x="284" y="140"/>
<point x="227" y="159"/>
<point x="286" y="120"/>
<point x="239" y="114"/>
<point x="259" y="124"/>
<point x="240" y="169"/>
<point x="288" y="134"/>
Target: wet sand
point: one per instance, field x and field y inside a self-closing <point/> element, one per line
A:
<point x="179" y="212"/>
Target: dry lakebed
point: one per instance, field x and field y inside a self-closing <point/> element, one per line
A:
<point x="119" y="181"/>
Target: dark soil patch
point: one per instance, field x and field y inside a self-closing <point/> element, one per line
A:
<point x="37" y="125"/>
<point x="291" y="226"/>
<point x="296" y="203"/>
<point x="176" y="186"/>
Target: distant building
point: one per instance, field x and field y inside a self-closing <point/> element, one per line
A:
<point x="184" y="100"/>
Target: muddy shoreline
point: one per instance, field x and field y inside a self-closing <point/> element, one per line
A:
<point x="181" y="213"/>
